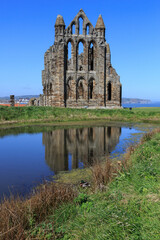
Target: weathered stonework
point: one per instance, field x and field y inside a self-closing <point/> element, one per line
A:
<point x="12" y="102"/>
<point x="84" y="80"/>
<point x="34" y="102"/>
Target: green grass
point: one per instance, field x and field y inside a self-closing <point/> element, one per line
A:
<point x="147" y="109"/>
<point x="32" y="115"/>
<point x="74" y="176"/>
<point x="128" y="209"/>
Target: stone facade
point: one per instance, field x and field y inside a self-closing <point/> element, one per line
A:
<point x="85" y="79"/>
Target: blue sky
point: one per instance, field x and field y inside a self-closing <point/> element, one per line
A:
<point x="132" y="30"/>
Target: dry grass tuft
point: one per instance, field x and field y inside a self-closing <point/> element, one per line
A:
<point x="102" y="174"/>
<point x="18" y="215"/>
<point x="149" y="135"/>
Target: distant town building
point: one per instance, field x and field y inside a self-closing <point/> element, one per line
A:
<point x="77" y="68"/>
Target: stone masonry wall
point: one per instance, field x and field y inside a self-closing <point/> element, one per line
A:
<point x="85" y="80"/>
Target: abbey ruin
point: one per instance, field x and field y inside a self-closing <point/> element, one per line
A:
<point x="77" y="68"/>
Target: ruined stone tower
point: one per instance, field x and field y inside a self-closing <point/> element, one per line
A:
<point x="83" y="75"/>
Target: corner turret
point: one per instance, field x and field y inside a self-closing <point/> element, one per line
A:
<point x="59" y="28"/>
<point x="100" y="27"/>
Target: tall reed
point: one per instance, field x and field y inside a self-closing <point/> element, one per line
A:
<point x="18" y="215"/>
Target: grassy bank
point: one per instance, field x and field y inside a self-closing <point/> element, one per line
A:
<point x="32" y="115"/>
<point x="129" y="208"/>
<point x="122" y="202"/>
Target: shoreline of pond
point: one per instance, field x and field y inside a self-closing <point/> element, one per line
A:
<point x="42" y="146"/>
<point x="32" y="116"/>
<point x="72" y="123"/>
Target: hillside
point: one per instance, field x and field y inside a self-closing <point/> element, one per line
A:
<point x="135" y="100"/>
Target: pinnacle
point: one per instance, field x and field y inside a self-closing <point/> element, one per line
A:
<point x="59" y="21"/>
<point x="100" y="23"/>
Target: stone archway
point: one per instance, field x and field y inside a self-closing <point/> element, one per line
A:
<point x="81" y="89"/>
<point x="81" y="55"/>
<point x="71" y="89"/>
<point x="91" y="89"/>
<point x="70" y="54"/>
<point x="92" y="54"/>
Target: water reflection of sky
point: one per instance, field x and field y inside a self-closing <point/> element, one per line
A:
<point x="129" y="136"/>
<point x="27" y="159"/>
<point x="22" y="157"/>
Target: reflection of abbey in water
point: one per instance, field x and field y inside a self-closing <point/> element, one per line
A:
<point x="66" y="148"/>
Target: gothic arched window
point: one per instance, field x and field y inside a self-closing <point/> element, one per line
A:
<point x="80" y="21"/>
<point x="80" y="56"/>
<point x="87" y="29"/>
<point x="91" y="57"/>
<point x="70" y="56"/>
<point x="90" y="89"/>
<point x="73" y="28"/>
<point x="109" y="91"/>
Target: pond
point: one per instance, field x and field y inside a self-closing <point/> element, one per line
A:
<point x="29" y="155"/>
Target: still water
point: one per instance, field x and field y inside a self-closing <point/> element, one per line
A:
<point x="138" y="105"/>
<point x="30" y="155"/>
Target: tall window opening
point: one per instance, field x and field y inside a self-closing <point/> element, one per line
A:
<point x="120" y="95"/>
<point x="71" y="90"/>
<point x="90" y="92"/>
<point x="109" y="91"/>
<point x="91" y="57"/>
<point x="87" y="30"/>
<point x="51" y="87"/>
<point x="73" y="29"/>
<point x="69" y="56"/>
<point x="80" y="56"/>
<point x="81" y="89"/>
<point x="81" y="25"/>
<point x="44" y="90"/>
<point x="68" y="90"/>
